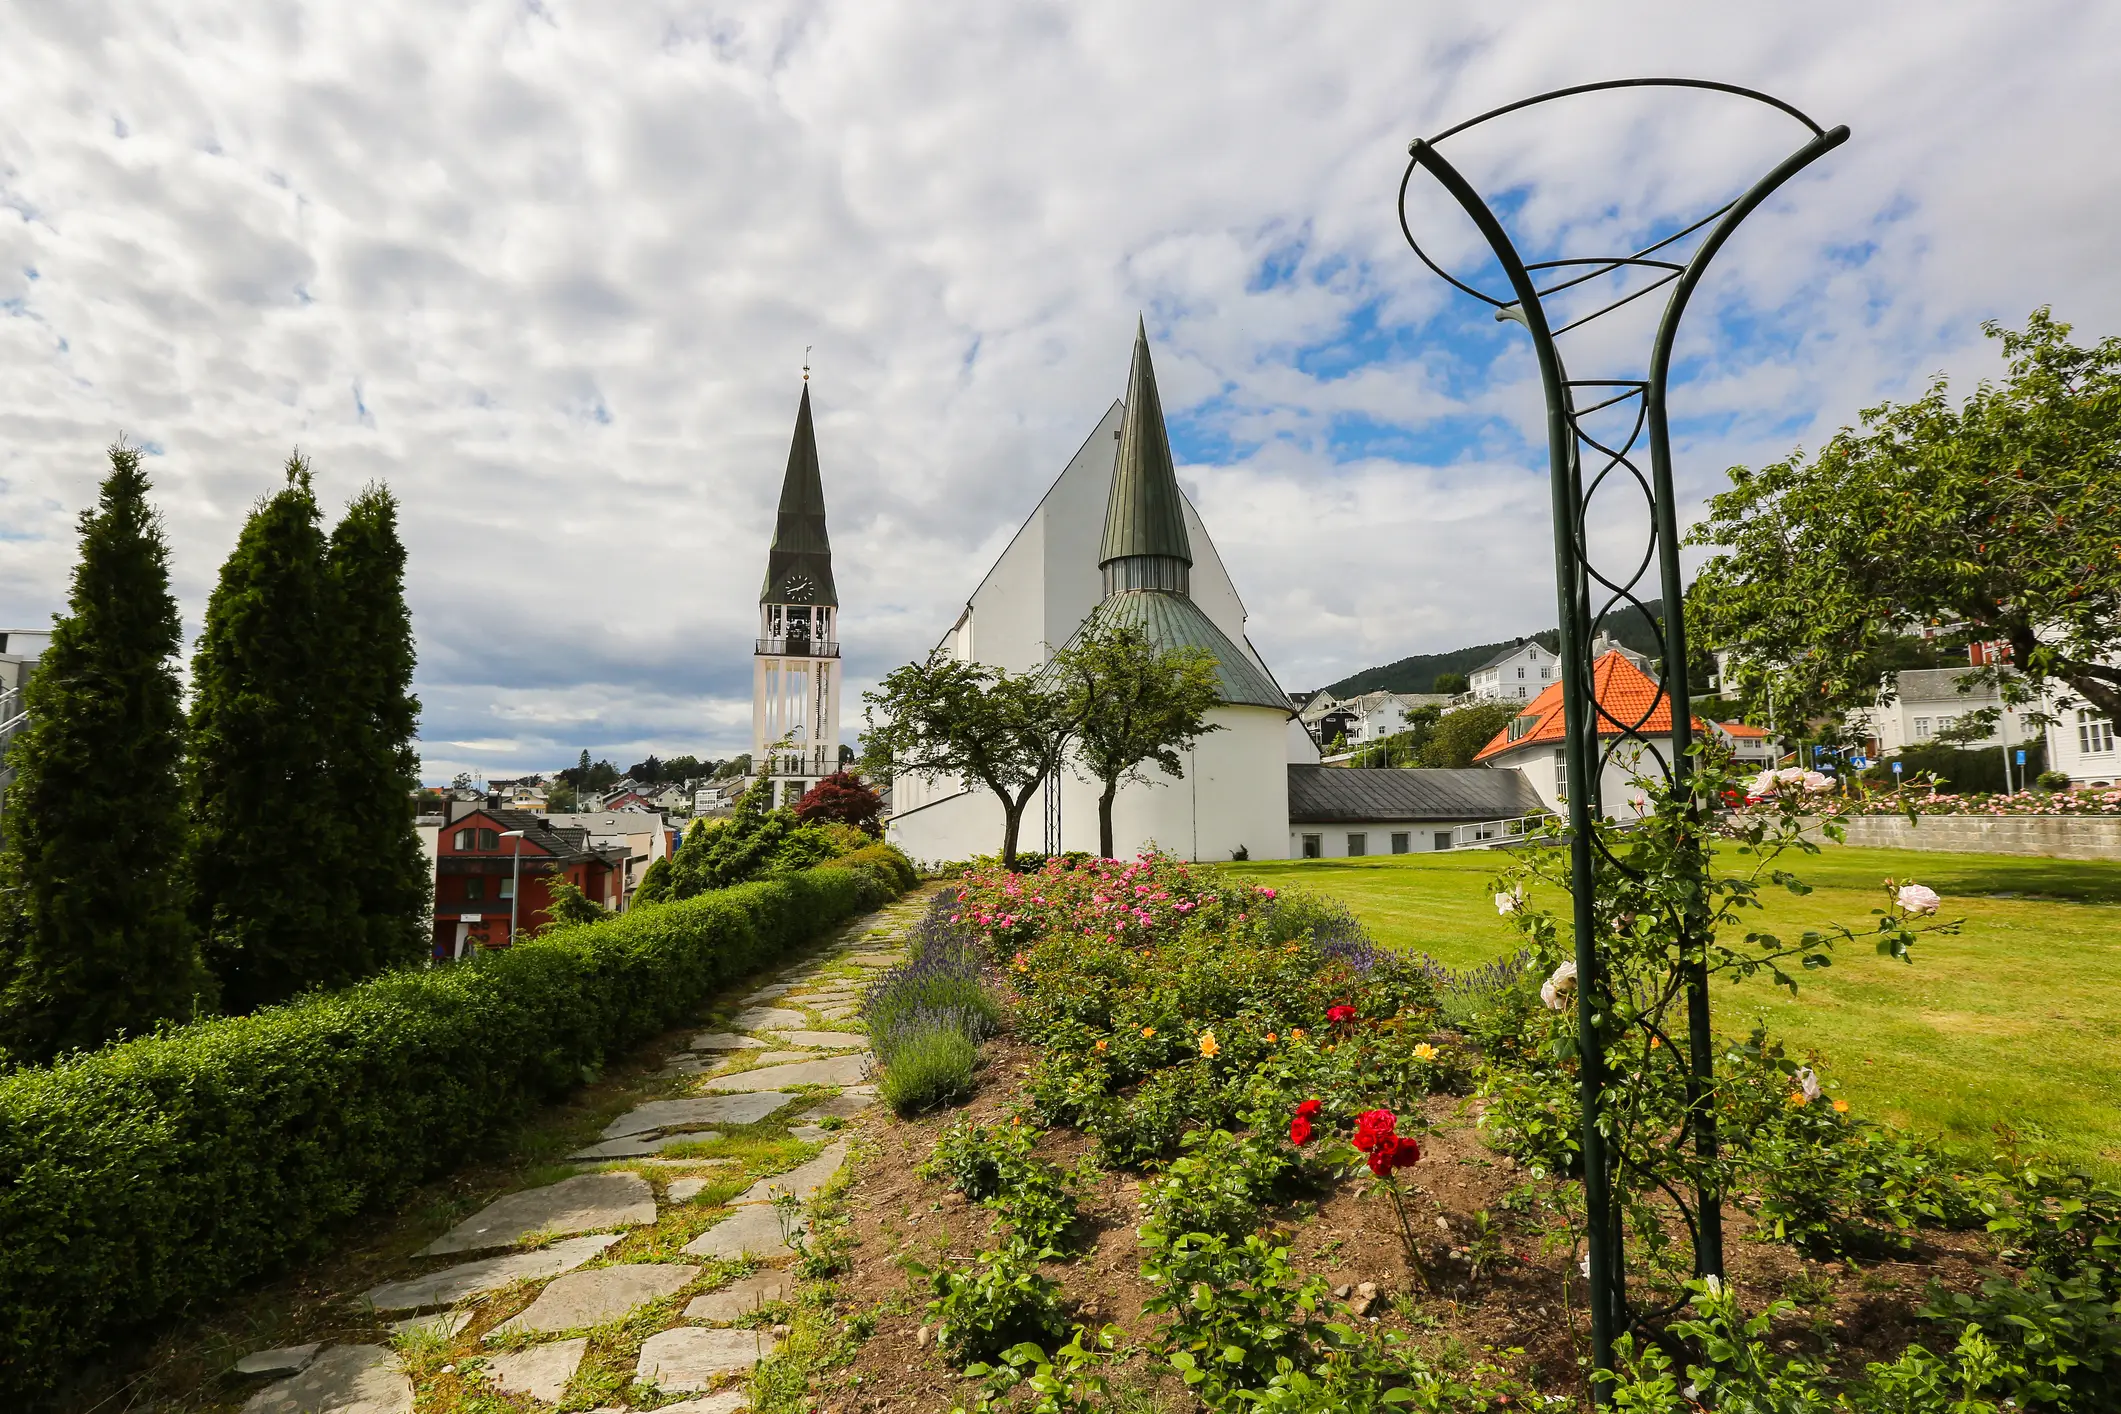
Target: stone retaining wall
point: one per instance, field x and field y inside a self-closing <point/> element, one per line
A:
<point x="2054" y="836"/>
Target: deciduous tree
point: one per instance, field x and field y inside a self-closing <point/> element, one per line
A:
<point x="1004" y="731"/>
<point x="2001" y="514"/>
<point x="843" y="797"/>
<point x="92" y="886"/>
<point x="1133" y="704"/>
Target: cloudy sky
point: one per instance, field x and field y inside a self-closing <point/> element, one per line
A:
<point x="549" y="268"/>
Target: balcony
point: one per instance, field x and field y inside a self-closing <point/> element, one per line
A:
<point x="793" y="647"/>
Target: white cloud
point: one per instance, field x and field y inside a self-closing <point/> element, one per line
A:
<point x="550" y="269"/>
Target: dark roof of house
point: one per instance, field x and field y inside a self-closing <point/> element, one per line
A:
<point x="799" y="543"/>
<point x="1144" y="514"/>
<point x="1329" y="795"/>
<point x="1502" y="655"/>
<point x="1174" y="621"/>
<point x="537" y="830"/>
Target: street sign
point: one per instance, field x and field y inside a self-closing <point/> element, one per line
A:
<point x="1896" y="768"/>
<point x="2021" y="758"/>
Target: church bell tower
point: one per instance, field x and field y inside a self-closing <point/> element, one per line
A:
<point x="795" y="676"/>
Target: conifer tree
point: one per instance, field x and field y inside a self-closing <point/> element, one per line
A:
<point x="270" y="892"/>
<point x="374" y="766"/>
<point x="91" y="874"/>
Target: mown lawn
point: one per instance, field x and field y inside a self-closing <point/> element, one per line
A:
<point x="2016" y="1021"/>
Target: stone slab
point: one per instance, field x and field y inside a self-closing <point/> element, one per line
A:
<point x="285" y="1360"/>
<point x="825" y="1040"/>
<point x="779" y="1057"/>
<point x="579" y="1204"/>
<point x="634" y="1146"/>
<point x="837" y="1013"/>
<point x="753" y="1230"/>
<point x="810" y="1133"/>
<point x="690" y="1358"/>
<point x="591" y="1298"/>
<point x="876" y="959"/>
<point x="838" y="1107"/>
<point x="725" y="1041"/>
<point x="675" y="1114"/>
<point x="832" y="1070"/>
<point x="766" y="1018"/>
<point x="345" y="1379"/>
<point x="733" y="1303"/>
<point x="728" y="1401"/>
<point x="444" y="1325"/>
<point x="684" y="1190"/>
<point x="452" y="1284"/>
<point x="542" y="1371"/>
<point x="803" y="1181"/>
<point x="768" y="993"/>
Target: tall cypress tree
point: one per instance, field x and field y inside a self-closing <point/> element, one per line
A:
<point x="270" y="889"/>
<point x="91" y="874"/>
<point x="375" y="769"/>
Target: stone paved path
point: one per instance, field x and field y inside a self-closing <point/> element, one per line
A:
<point x="571" y="1250"/>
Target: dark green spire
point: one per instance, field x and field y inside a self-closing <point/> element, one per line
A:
<point x="799" y="567"/>
<point x="1144" y="515"/>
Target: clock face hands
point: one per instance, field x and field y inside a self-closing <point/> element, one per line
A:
<point x="800" y="587"/>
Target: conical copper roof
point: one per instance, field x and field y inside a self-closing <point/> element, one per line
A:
<point x="1144" y="515"/>
<point x="799" y="567"/>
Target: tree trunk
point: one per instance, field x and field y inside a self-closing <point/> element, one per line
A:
<point x="1104" y="819"/>
<point x="1012" y="820"/>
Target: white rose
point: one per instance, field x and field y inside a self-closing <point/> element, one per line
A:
<point x="1917" y="898"/>
<point x="1556" y="989"/>
<point x="1808" y="1083"/>
<point x="1509" y="903"/>
<point x="1763" y="784"/>
<point x="1817" y="781"/>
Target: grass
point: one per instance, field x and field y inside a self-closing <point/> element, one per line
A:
<point x="2015" y="1022"/>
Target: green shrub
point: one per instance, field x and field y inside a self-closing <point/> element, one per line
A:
<point x="150" y="1176"/>
<point x="930" y="1066"/>
<point x="1000" y="1302"/>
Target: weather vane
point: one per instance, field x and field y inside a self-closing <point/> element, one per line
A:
<point x="806" y="361"/>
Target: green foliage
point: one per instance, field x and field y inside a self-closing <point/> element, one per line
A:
<point x="1997" y="514"/>
<point x="1000" y="1302"/>
<point x="931" y="1065"/>
<point x="1006" y="731"/>
<point x="1959" y="768"/>
<point x="1458" y="736"/>
<point x="1132" y="704"/>
<point x="655" y="883"/>
<point x="1025" y="1380"/>
<point x="570" y="907"/>
<point x="756" y="842"/>
<point x="1239" y="1308"/>
<point x="269" y="897"/>
<point x="94" y="941"/>
<point x="156" y="1174"/>
<point x="374" y="721"/>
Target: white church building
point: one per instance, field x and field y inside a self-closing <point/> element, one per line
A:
<point x="1115" y="539"/>
<point x="795" y="672"/>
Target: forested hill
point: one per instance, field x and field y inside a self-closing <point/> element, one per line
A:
<point x="1636" y="630"/>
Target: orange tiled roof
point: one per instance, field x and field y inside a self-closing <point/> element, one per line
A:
<point x="1743" y="729"/>
<point x="1624" y="691"/>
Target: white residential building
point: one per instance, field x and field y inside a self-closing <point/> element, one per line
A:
<point x="1524" y="669"/>
<point x="1382" y="714"/>
<point x="1927" y="701"/>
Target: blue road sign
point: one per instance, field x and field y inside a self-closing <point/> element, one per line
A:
<point x="2021" y="758"/>
<point x="1859" y="762"/>
<point x="1896" y="768"/>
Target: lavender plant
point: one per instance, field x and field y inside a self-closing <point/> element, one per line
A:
<point x="927" y="1016"/>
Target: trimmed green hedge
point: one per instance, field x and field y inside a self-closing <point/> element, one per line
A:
<point x="158" y="1173"/>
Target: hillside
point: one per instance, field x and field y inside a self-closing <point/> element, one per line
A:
<point x="1418" y="673"/>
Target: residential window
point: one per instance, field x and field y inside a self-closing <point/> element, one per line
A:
<point x="1443" y="839"/>
<point x="1358" y="845"/>
<point x="1944" y="724"/>
<point x="1544" y="672"/>
<point x="489" y="839"/>
<point x="1561" y="771"/>
<point x="465" y="840"/>
<point x="1520" y="672"/>
<point x="1922" y="729"/>
<point x="1312" y="846"/>
<point x="1400" y="843"/>
<point x="2095" y="735"/>
<point x="474" y="889"/>
<point x="507" y="889"/>
<point x="1520" y="692"/>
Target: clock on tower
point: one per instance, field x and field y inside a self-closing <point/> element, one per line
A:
<point x="795" y="712"/>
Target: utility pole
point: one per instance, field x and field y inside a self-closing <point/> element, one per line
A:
<point x="515" y="884"/>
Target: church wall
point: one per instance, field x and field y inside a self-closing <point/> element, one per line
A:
<point x="1235" y="793"/>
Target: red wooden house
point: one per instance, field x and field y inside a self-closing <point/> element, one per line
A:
<point x="477" y="872"/>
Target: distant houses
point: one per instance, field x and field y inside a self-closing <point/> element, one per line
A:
<point x="495" y="869"/>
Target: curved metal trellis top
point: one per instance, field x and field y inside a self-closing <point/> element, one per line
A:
<point x="1635" y="410"/>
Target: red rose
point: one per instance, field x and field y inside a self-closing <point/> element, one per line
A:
<point x="1394" y="1151"/>
<point x="1374" y="1128"/>
<point x="1338" y="1014"/>
<point x="1300" y="1123"/>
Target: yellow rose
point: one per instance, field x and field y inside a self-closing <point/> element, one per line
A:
<point x="1425" y="1051"/>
